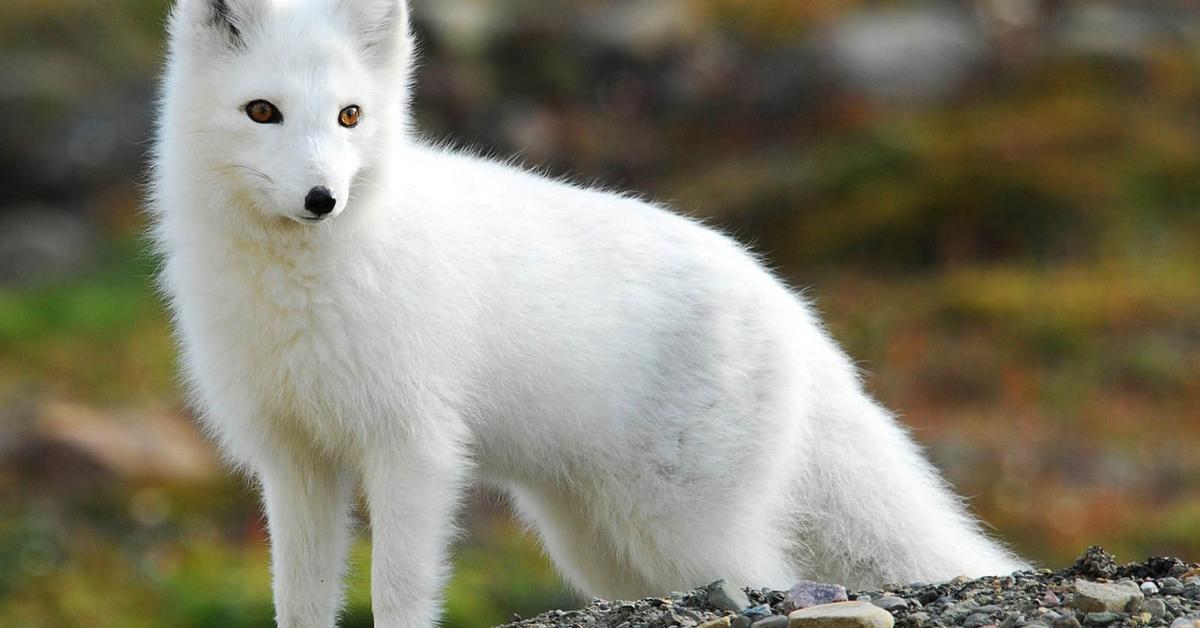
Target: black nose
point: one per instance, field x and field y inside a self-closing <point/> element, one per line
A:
<point x="320" y="200"/>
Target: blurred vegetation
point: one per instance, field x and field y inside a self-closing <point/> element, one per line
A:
<point x="1011" y="256"/>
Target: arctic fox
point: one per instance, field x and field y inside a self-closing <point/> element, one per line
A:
<point x="359" y="311"/>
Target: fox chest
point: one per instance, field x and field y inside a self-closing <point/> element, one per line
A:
<point x="323" y="360"/>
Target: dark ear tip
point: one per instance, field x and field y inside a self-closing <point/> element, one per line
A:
<point x="221" y="17"/>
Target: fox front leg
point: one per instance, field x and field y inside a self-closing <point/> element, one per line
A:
<point x="308" y="516"/>
<point x="412" y="497"/>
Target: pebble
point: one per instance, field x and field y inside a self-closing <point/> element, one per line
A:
<point x="1156" y="608"/>
<point x="890" y="603"/>
<point x="1011" y="620"/>
<point x="1186" y="622"/>
<point x="806" y="593"/>
<point x="976" y="620"/>
<point x="841" y="615"/>
<point x="1149" y="588"/>
<point x="740" y="621"/>
<point x="1065" y="622"/>
<point x="774" y="621"/>
<point x="720" y="622"/>
<point x="1097" y="597"/>
<point x="1050" y="599"/>
<point x="1171" y="586"/>
<point x="1101" y="619"/>
<point x="727" y="597"/>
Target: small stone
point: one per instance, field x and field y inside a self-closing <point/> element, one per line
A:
<point x="920" y="619"/>
<point x="1065" y="622"/>
<point x="1156" y="608"/>
<point x="774" y="621"/>
<point x="726" y="597"/>
<point x="928" y="596"/>
<point x="1149" y="588"/>
<point x="720" y="622"/>
<point x="740" y="621"/>
<point x="1050" y="599"/>
<point x="1012" y="620"/>
<point x="1186" y="622"/>
<point x="890" y="603"/>
<point x="960" y="580"/>
<point x="841" y="615"/>
<point x="1095" y="563"/>
<point x="1098" y="597"/>
<point x="976" y="620"/>
<point x="805" y="594"/>
<point x="1171" y="586"/>
<point x="1101" y="619"/>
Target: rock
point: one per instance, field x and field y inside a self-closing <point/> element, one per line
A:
<point x="841" y="615"/>
<point x="907" y="53"/>
<point x="720" y="622"/>
<point x="756" y="613"/>
<point x="957" y="613"/>
<point x="1096" y="597"/>
<point x="1186" y="622"/>
<point x="740" y="621"/>
<point x="1171" y="586"/>
<point x="1065" y="622"/>
<point x="1149" y="588"/>
<point x="805" y="594"/>
<point x="1156" y="608"/>
<point x="1101" y="619"/>
<point x="42" y="243"/>
<point x="727" y="597"/>
<point x="1113" y="30"/>
<point x="976" y="620"/>
<point x="1094" y="562"/>
<point x="1012" y="620"/>
<point x="890" y="603"/>
<point x="774" y="621"/>
<point x="1050" y="599"/>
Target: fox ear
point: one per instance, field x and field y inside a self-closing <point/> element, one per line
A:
<point x="381" y="27"/>
<point x="222" y="22"/>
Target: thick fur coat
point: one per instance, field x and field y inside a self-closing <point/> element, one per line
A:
<point x="662" y="410"/>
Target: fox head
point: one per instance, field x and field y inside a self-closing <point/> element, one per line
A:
<point x="285" y="105"/>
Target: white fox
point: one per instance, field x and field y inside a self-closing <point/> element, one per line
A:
<point x="360" y="311"/>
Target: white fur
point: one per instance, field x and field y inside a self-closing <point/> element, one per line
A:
<point x="662" y="409"/>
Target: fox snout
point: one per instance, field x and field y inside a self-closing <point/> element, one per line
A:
<point x="320" y="201"/>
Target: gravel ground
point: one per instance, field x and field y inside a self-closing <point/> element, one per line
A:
<point x="1095" y="592"/>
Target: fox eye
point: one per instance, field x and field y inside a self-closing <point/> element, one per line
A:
<point x="263" y="112"/>
<point x="349" y="116"/>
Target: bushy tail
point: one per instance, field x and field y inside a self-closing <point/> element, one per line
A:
<point x="874" y="510"/>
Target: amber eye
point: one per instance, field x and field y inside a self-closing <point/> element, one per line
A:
<point x="263" y="112"/>
<point x="349" y="116"/>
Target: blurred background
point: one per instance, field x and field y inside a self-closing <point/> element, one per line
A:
<point x="995" y="204"/>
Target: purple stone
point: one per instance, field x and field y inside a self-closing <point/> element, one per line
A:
<point x="806" y="594"/>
